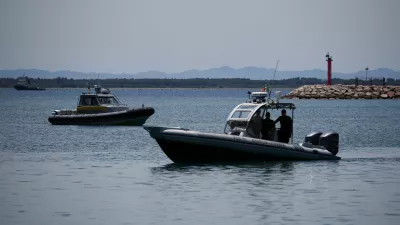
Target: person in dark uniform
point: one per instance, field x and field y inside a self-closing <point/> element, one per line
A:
<point x="255" y="124"/>
<point x="268" y="125"/>
<point x="286" y="127"/>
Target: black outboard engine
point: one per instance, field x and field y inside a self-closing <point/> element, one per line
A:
<point x="330" y="141"/>
<point x="313" y="138"/>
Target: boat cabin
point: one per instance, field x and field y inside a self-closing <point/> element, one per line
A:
<point x="257" y="97"/>
<point x="99" y="102"/>
<point x="24" y="81"/>
<point x="246" y="119"/>
<point x="95" y="100"/>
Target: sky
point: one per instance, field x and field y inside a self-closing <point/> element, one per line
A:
<point x="130" y="36"/>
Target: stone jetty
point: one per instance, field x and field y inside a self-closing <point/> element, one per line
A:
<point x="344" y="92"/>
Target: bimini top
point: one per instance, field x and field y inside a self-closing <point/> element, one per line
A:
<point x="245" y="111"/>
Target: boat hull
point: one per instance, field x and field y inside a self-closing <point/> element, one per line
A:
<point x="132" y="117"/>
<point x="28" y="88"/>
<point x="185" y="146"/>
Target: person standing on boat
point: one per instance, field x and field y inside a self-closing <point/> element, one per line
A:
<point x="286" y="127"/>
<point x="256" y="123"/>
<point x="268" y="126"/>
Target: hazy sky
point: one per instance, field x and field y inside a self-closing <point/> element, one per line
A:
<point x="175" y="35"/>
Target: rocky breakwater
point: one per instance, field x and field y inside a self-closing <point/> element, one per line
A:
<point x="344" y="92"/>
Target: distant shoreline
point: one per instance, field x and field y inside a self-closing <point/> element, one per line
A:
<point x="188" y="83"/>
<point x="168" y="88"/>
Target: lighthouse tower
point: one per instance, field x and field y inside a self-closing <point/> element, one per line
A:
<point x="329" y="60"/>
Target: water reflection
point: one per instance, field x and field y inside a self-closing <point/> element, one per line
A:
<point x="253" y="174"/>
<point x="265" y="167"/>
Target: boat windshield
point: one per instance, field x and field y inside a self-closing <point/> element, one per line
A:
<point x="255" y="123"/>
<point x="88" y="100"/>
<point x="240" y="114"/>
<point x="239" y="117"/>
<point x="108" y="100"/>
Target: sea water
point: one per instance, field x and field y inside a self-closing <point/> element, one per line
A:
<point x="119" y="175"/>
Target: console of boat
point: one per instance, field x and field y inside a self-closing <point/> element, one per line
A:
<point x="258" y="96"/>
<point x="241" y="141"/>
<point x="101" y="108"/>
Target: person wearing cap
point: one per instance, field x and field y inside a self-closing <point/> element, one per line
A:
<point x="286" y="127"/>
<point x="268" y="126"/>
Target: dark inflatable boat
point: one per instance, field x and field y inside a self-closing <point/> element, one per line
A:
<point x="243" y="139"/>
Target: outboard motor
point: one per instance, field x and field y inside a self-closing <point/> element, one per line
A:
<point x="313" y="138"/>
<point x="330" y="141"/>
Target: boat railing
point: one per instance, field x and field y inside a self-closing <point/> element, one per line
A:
<point x="64" y="112"/>
<point x="114" y="104"/>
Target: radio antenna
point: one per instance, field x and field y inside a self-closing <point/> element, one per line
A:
<point x="273" y="78"/>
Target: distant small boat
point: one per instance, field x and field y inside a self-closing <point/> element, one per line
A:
<point x="24" y="83"/>
<point x="101" y="108"/>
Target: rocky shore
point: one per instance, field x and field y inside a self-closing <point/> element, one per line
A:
<point x="344" y="92"/>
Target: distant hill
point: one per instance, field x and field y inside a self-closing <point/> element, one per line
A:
<point x="253" y="73"/>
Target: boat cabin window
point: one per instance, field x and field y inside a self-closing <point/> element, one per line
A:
<point x="243" y="111"/>
<point x="241" y="114"/>
<point x="108" y="100"/>
<point x="239" y="118"/>
<point x="88" y="100"/>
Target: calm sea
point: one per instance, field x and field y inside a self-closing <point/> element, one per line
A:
<point x="119" y="175"/>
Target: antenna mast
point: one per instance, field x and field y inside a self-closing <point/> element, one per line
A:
<point x="273" y="78"/>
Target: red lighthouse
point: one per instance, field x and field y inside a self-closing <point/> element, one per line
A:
<point x="329" y="60"/>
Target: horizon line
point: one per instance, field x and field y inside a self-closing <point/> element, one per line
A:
<point x="200" y="70"/>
